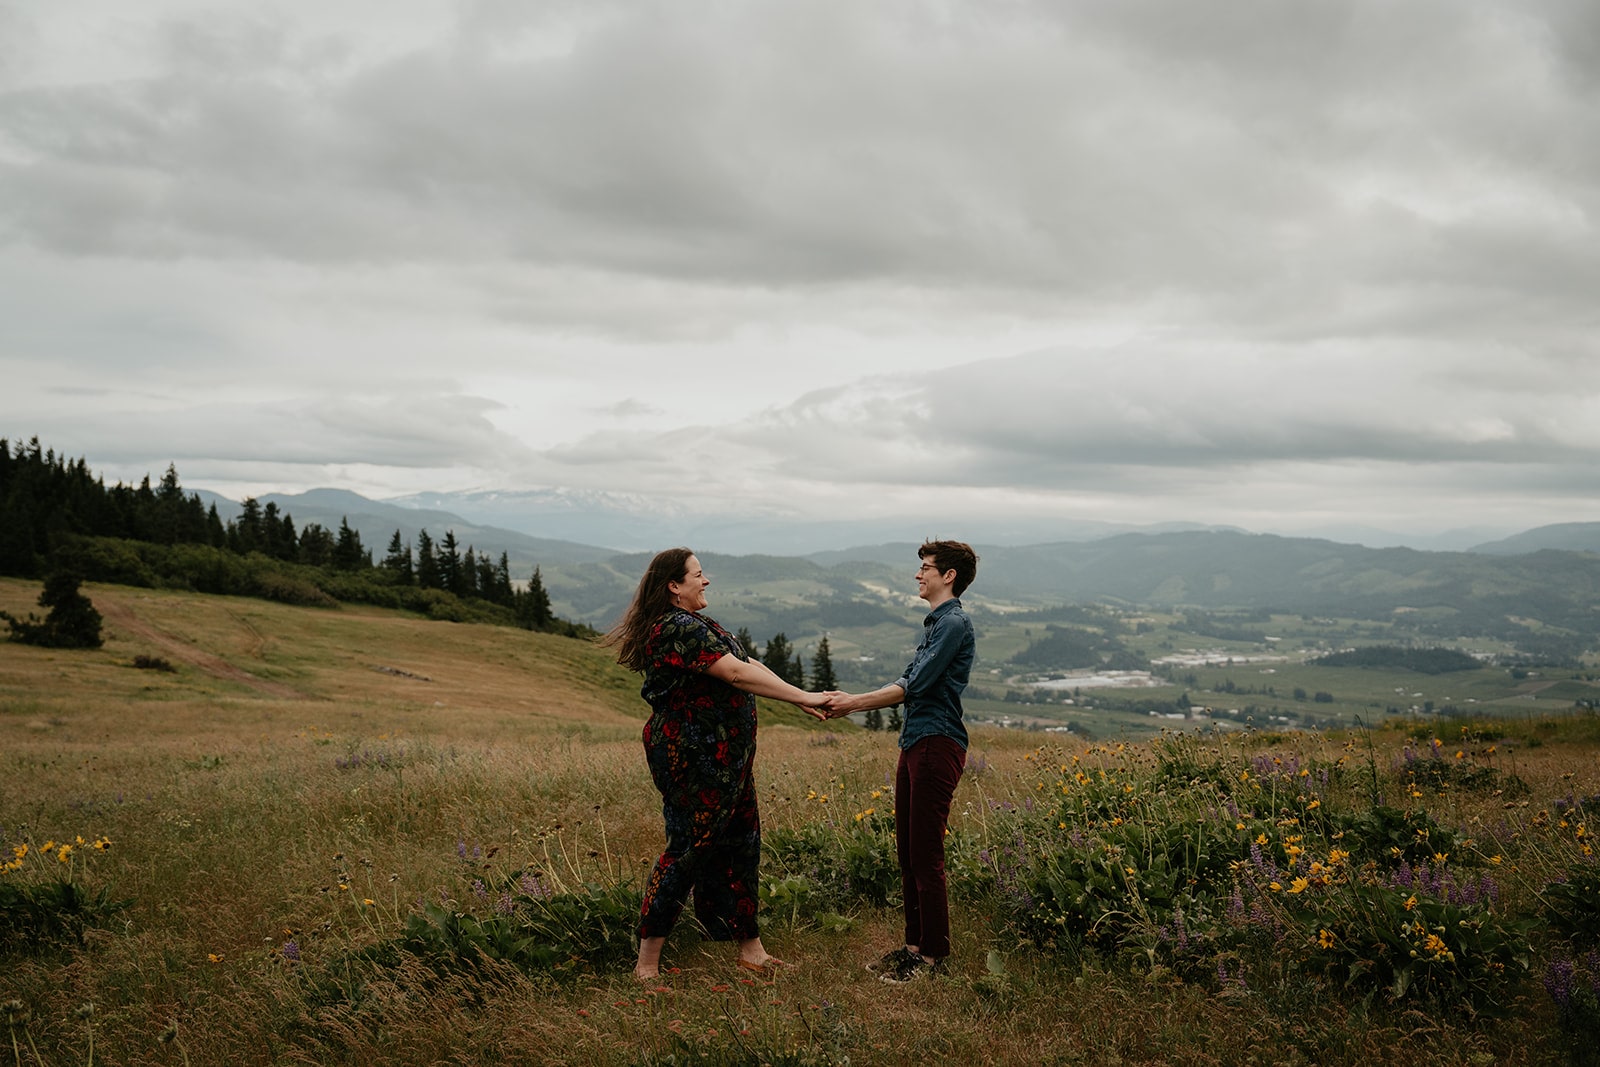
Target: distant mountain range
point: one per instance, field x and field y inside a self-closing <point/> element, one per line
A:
<point x="1551" y="573"/>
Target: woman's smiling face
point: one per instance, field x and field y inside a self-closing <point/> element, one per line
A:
<point x="689" y="592"/>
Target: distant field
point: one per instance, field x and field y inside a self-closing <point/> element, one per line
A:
<point x="312" y="778"/>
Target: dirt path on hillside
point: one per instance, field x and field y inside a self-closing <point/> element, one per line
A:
<point x="119" y="614"/>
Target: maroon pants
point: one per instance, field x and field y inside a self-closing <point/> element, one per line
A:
<point x="924" y="783"/>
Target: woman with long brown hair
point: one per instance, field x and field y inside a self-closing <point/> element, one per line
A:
<point x="700" y="743"/>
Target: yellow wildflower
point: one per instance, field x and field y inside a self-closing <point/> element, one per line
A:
<point x="368" y="901"/>
<point x="1261" y="839"/>
<point x="1238" y="826"/>
<point x="1299" y="885"/>
<point x="1440" y="857"/>
<point x="1337" y="855"/>
<point x="66" y="850"/>
<point x="21" y="851"/>
<point x="1411" y="902"/>
<point x="1274" y="886"/>
<point x="1315" y="804"/>
<point x="1325" y="938"/>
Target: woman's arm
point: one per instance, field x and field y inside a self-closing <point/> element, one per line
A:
<point x="845" y="703"/>
<point x="756" y="678"/>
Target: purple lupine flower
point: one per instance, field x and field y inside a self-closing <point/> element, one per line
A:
<point x="534" y="886"/>
<point x="505" y="905"/>
<point x="1559" y="981"/>
<point x="290" y="951"/>
<point x="480" y="890"/>
<point x="461" y="849"/>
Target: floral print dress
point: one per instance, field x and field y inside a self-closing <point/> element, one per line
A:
<point x="700" y="742"/>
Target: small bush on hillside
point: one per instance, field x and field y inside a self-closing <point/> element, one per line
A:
<point x="72" y="622"/>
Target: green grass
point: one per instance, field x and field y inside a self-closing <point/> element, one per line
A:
<point x="243" y="819"/>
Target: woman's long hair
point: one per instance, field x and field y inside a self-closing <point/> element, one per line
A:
<point x="650" y="601"/>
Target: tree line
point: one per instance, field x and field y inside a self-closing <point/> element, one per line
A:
<point x="784" y="660"/>
<point x="55" y="514"/>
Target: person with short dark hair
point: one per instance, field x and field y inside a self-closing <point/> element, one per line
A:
<point x="700" y="743"/>
<point x="933" y="753"/>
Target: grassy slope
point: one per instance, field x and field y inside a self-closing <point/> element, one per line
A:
<point x="234" y="807"/>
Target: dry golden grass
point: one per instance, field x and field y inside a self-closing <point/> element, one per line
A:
<point x="280" y="757"/>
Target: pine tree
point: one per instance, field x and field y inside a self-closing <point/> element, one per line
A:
<point x="503" y="593"/>
<point x="397" y="561"/>
<point x="348" y="554"/>
<point x="316" y="545"/>
<point x="873" y="720"/>
<point x="73" y="621"/>
<point x="895" y="721"/>
<point x="427" y="562"/>
<point x="450" y="563"/>
<point x="533" y="605"/>
<point x="781" y="658"/>
<point x="245" y="534"/>
<point x="822" y="676"/>
<point x="747" y="642"/>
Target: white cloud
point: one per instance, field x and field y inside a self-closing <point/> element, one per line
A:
<point x="787" y="255"/>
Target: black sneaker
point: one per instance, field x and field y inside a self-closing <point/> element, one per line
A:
<point x="912" y="968"/>
<point x="892" y="961"/>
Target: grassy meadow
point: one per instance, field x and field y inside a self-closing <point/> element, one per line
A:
<point x="356" y="836"/>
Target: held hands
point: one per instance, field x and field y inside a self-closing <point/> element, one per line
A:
<point x="831" y="705"/>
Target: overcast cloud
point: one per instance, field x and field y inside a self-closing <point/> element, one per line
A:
<point x="1282" y="266"/>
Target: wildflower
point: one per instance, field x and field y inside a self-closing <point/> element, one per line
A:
<point x="1440" y="857"/>
<point x="20" y="851"/>
<point x="863" y="814"/>
<point x="1315" y="804"/>
<point x="101" y="844"/>
<point x="1299" y="885"/>
<point x="368" y="901"/>
<point x="1261" y="839"/>
<point x="1325" y="939"/>
<point x="1238" y="826"/>
<point x="1411" y="902"/>
<point x="214" y="957"/>
<point x="66" y="850"/>
<point x="1337" y="856"/>
<point x="1275" y="887"/>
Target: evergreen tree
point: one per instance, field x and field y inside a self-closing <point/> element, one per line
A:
<point x="348" y="555"/>
<point x="272" y="531"/>
<point x="245" y="534"/>
<point x="469" y="573"/>
<point x="72" y="622"/>
<point x="873" y="719"/>
<point x="398" y="560"/>
<point x="797" y="671"/>
<point x="533" y="605"/>
<point x="782" y="660"/>
<point x="822" y="676"/>
<point x="747" y="642"/>
<point x="216" y="533"/>
<point x="503" y="593"/>
<point x="427" y="562"/>
<point x="316" y="545"/>
<point x="450" y="563"/>
<point x="895" y="721"/>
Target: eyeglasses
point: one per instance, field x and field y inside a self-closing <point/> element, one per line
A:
<point x="934" y="567"/>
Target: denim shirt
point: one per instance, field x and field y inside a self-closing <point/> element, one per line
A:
<point x="937" y="674"/>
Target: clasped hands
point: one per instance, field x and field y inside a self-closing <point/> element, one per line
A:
<point x="835" y="704"/>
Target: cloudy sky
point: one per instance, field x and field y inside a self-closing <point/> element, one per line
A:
<point x="1285" y="266"/>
